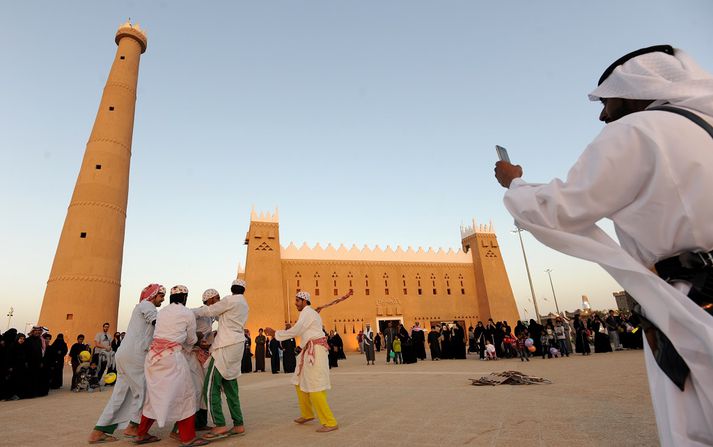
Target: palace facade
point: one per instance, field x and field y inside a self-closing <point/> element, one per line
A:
<point x="404" y="286"/>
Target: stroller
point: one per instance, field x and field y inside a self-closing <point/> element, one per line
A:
<point x="88" y="378"/>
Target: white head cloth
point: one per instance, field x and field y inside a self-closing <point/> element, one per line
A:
<point x="676" y="79"/>
<point x="240" y="282"/>
<point x="179" y="289"/>
<point x="210" y="293"/>
<point x="303" y="296"/>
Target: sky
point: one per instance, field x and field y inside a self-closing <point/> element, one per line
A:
<point x="364" y="122"/>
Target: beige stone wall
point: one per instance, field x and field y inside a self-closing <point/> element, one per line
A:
<point x="446" y="286"/>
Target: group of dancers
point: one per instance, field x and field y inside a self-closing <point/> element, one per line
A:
<point x="172" y="367"/>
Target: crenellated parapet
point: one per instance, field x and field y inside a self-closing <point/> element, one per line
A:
<point x="469" y="230"/>
<point x="265" y="216"/>
<point x="376" y="254"/>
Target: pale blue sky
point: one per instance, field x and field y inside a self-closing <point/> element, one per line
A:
<point x="366" y="122"/>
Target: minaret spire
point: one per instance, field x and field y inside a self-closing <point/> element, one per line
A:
<point x="83" y="288"/>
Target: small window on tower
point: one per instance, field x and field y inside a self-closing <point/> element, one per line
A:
<point x="98" y="167"/>
<point x="462" y="291"/>
<point x="70" y="316"/>
<point x="83" y="235"/>
<point x="386" y="291"/>
<point x="420" y="292"/>
<point x="366" y="292"/>
<point x="111" y="108"/>
<point x="122" y="57"/>
<point x="316" y="292"/>
<point x="405" y="292"/>
<point x="448" y="291"/>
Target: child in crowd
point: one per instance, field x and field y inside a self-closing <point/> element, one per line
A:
<point x="522" y="348"/>
<point x="397" y="351"/>
<point x="92" y="375"/>
<point x="490" y="351"/>
<point x="509" y="346"/>
<point x="554" y="352"/>
<point x="544" y="340"/>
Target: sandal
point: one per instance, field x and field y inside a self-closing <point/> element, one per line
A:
<point x="104" y="439"/>
<point x="300" y="420"/>
<point x="234" y="432"/>
<point x="210" y="436"/>
<point x="326" y="429"/>
<point x="196" y="442"/>
<point x="147" y="440"/>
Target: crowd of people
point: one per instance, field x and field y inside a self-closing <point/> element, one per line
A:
<point x="556" y="337"/>
<point x="31" y="365"/>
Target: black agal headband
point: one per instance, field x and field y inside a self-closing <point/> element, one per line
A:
<point x="668" y="49"/>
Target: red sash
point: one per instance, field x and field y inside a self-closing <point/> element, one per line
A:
<point x="308" y="352"/>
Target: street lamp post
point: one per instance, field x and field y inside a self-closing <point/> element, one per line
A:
<point x="549" y="273"/>
<point x="527" y="268"/>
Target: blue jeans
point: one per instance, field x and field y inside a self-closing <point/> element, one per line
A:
<point x="563" y="347"/>
<point x="398" y="358"/>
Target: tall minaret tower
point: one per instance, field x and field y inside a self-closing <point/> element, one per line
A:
<point x="83" y="288"/>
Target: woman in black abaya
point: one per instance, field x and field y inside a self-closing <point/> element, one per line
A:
<point x="58" y="350"/>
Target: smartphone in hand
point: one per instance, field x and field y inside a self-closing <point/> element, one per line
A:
<point x="502" y="153"/>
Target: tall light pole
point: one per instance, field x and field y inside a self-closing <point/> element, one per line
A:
<point x="527" y="268"/>
<point x="549" y="273"/>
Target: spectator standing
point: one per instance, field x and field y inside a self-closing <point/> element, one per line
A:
<point x="289" y="359"/>
<point x="368" y="343"/>
<point x="102" y="350"/>
<point x="613" y="323"/>
<point x="561" y="335"/>
<point x="58" y="350"/>
<point x="260" y="343"/>
<point x="434" y="343"/>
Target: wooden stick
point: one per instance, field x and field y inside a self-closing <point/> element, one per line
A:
<point x="332" y="303"/>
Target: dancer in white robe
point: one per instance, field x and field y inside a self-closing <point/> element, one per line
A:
<point x="226" y="355"/>
<point x="199" y="357"/>
<point x="651" y="173"/>
<point x="169" y="387"/>
<point x="311" y="377"/>
<point x="127" y="397"/>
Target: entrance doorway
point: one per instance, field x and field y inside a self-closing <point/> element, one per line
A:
<point x="382" y="322"/>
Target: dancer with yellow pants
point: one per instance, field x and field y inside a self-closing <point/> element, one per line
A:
<point x="311" y="377"/>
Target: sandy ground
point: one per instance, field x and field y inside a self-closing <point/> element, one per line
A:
<point x="600" y="400"/>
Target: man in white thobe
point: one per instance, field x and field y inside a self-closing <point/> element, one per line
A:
<point x="199" y="357"/>
<point x="226" y="355"/>
<point x="127" y="397"/>
<point x="169" y="387"/>
<point x="311" y="377"/>
<point x="650" y="172"/>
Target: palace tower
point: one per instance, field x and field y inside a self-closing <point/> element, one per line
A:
<point x="83" y="288"/>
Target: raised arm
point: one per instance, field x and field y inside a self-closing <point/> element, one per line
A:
<point x="213" y="310"/>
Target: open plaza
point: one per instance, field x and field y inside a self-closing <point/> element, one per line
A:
<point x="598" y="400"/>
